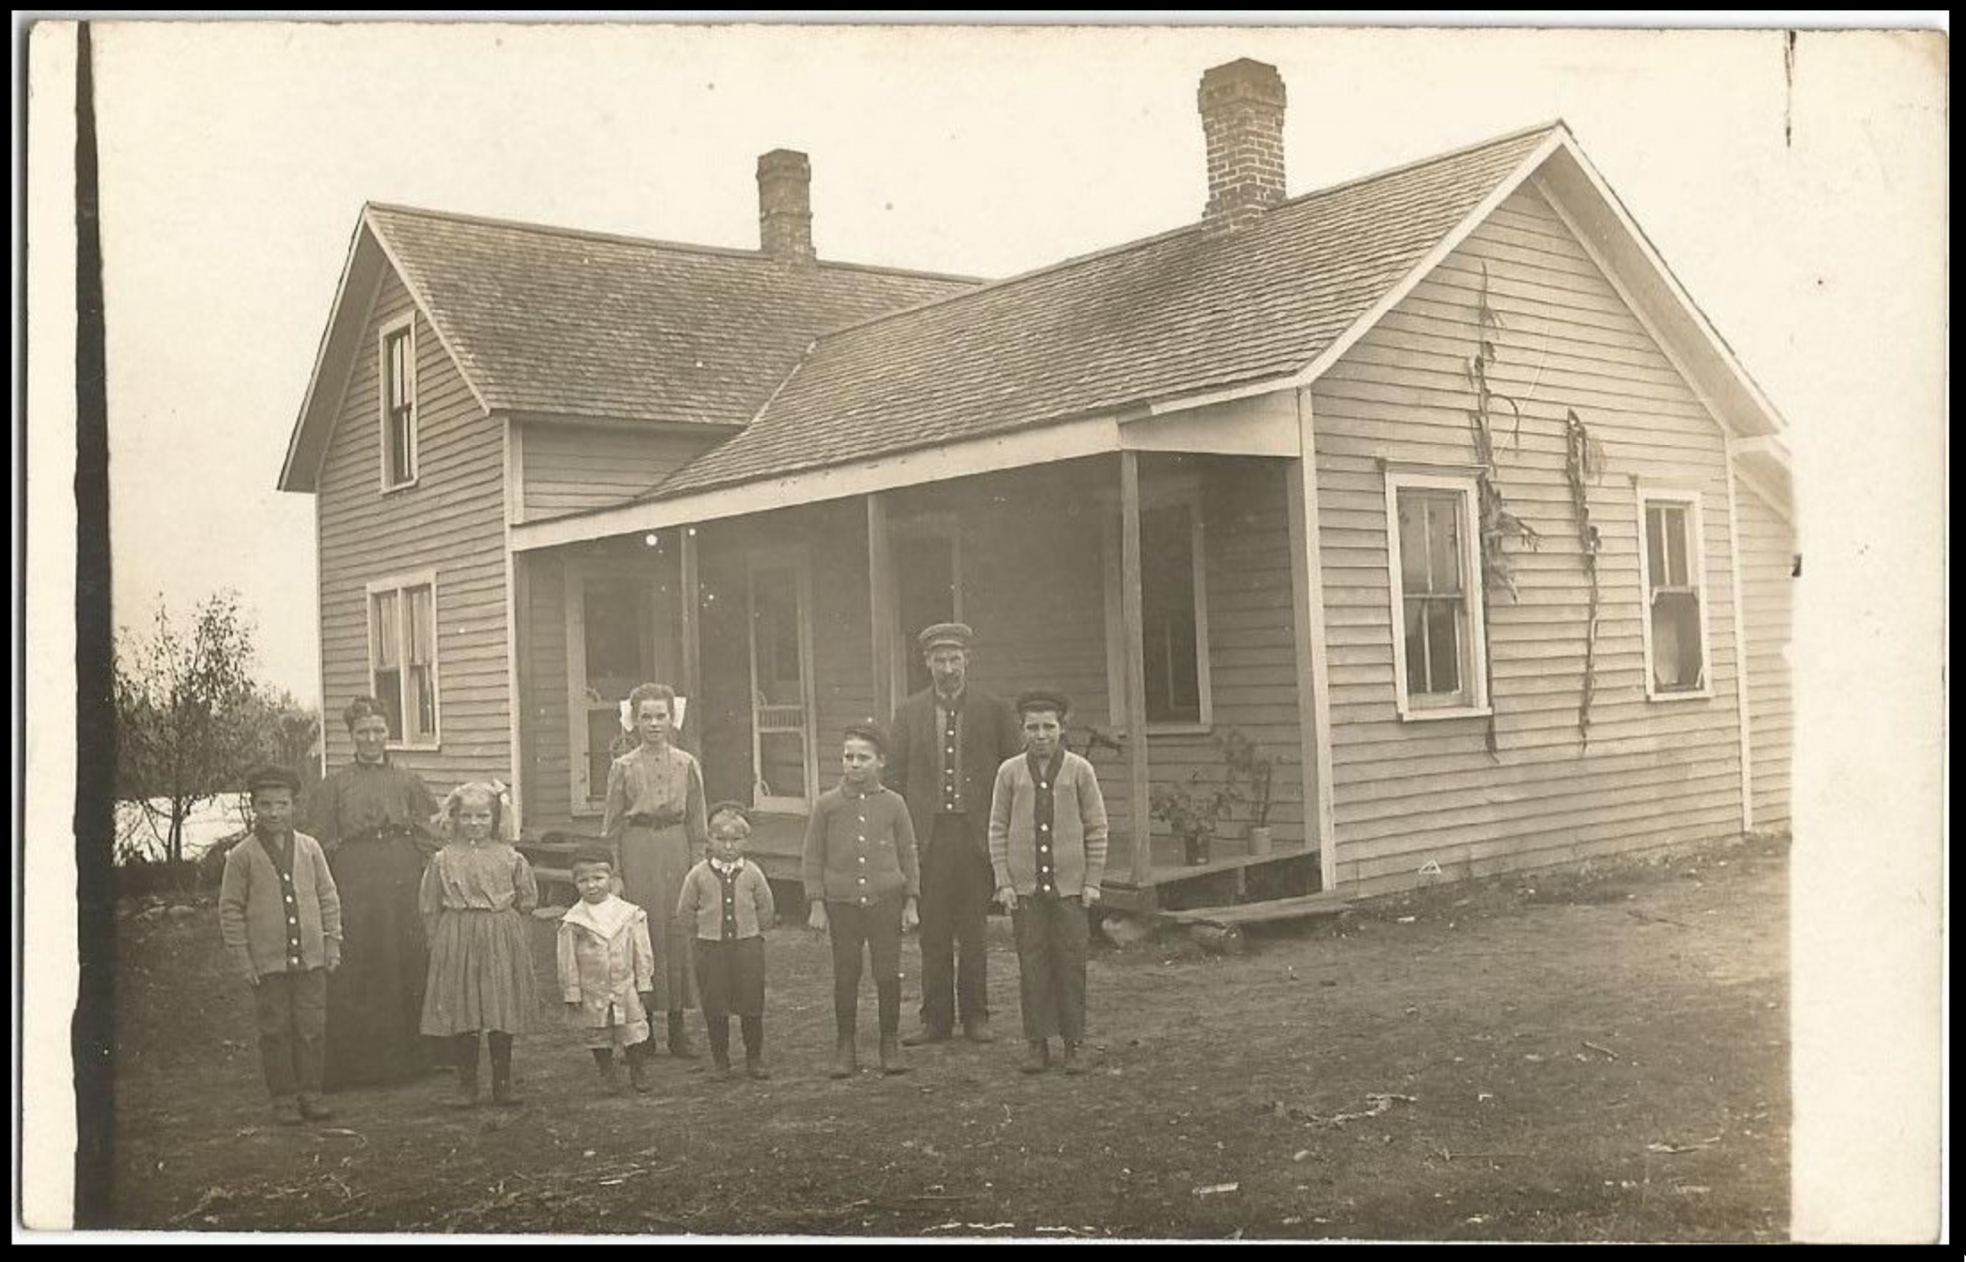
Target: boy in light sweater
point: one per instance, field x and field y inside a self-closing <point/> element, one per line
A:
<point x="1048" y="851"/>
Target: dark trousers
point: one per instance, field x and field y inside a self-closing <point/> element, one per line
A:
<point x="878" y="927"/>
<point x="955" y="907"/>
<point x="730" y="976"/>
<point x="291" y="1013"/>
<point x="1052" y="933"/>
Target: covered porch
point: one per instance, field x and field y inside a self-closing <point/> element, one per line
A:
<point x="1166" y="592"/>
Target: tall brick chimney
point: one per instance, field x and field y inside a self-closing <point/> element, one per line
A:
<point x="785" y="206"/>
<point x="1242" y="117"/>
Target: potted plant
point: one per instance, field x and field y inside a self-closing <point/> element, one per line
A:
<point x="1251" y="778"/>
<point x="1191" y="813"/>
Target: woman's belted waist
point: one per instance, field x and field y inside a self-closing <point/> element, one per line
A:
<point x="662" y="819"/>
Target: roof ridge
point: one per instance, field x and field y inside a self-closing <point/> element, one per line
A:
<point x="1521" y="133"/>
<point x="1056" y="266"/>
<point x="1138" y="243"/>
<point x="621" y="238"/>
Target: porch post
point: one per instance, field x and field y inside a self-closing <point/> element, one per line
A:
<point x="692" y="636"/>
<point x="1132" y="619"/>
<point x="1741" y="681"/>
<point x="519" y="676"/>
<point x="1307" y="610"/>
<point x="880" y="609"/>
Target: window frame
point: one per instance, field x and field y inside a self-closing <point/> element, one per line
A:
<point x="1473" y="700"/>
<point x="405" y="325"/>
<point x="401" y="586"/>
<point x="1163" y="493"/>
<point x="1696" y="568"/>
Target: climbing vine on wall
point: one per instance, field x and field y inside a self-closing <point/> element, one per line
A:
<point x="1498" y="524"/>
<point x="1583" y="463"/>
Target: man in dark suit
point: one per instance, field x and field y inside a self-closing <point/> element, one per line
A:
<point x="947" y="742"/>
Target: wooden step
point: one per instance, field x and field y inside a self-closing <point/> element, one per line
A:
<point x="1274" y="911"/>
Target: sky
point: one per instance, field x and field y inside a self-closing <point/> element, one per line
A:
<point x="236" y="158"/>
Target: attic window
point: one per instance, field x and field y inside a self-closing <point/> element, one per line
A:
<point x="398" y="380"/>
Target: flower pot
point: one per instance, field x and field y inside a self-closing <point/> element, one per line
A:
<point x="1195" y="848"/>
<point x="1261" y="841"/>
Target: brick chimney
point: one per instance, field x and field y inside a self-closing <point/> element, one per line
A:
<point x="785" y="206"/>
<point x="1242" y="117"/>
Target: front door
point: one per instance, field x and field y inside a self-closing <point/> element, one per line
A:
<point x="782" y="695"/>
<point x="927" y="563"/>
<point x="613" y="644"/>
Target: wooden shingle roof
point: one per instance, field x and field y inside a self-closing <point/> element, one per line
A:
<point x="1188" y="311"/>
<point x="557" y="321"/>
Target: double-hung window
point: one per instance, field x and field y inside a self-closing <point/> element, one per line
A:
<point x="1173" y="609"/>
<point x="1439" y="648"/>
<point x="1671" y="572"/>
<point x="403" y="657"/>
<point x="397" y="369"/>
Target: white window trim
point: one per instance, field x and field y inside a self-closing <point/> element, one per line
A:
<point x="799" y="559"/>
<point x="387" y="331"/>
<point x="1160" y="493"/>
<point x="591" y="799"/>
<point x="1696" y="567"/>
<point x="1475" y="690"/>
<point x="401" y="583"/>
<point x="921" y="526"/>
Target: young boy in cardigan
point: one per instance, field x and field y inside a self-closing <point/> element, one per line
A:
<point x="606" y="964"/>
<point x="727" y="901"/>
<point x="280" y="916"/>
<point x="863" y="882"/>
<point x="1048" y="850"/>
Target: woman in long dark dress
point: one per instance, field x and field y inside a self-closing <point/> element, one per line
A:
<point x="374" y="821"/>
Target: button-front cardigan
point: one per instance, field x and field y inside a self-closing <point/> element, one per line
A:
<point x="1078" y="832"/>
<point x="860" y="847"/>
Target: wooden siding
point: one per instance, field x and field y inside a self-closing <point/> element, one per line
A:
<point x="1656" y="772"/>
<point x="452" y="521"/>
<point x="1767" y="568"/>
<point x="571" y="467"/>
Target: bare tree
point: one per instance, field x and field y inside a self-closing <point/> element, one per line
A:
<point x="183" y="703"/>
<point x="284" y="730"/>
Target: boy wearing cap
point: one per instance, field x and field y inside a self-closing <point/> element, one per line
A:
<point x="1048" y="854"/>
<point x="727" y="901"/>
<point x="945" y="746"/>
<point x="862" y="881"/>
<point x="280" y="917"/>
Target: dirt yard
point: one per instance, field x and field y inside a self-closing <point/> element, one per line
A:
<point x="1595" y="1055"/>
